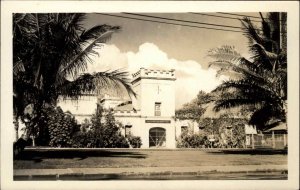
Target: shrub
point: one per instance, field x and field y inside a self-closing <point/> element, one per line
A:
<point x="118" y="141"/>
<point x="104" y="132"/>
<point x="61" y="128"/>
<point x="188" y="140"/>
<point x="53" y="127"/>
<point x="135" y="141"/>
<point x="80" y="140"/>
<point x="228" y="131"/>
<point x="19" y="146"/>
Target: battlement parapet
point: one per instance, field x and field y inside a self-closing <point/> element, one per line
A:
<point x="154" y="74"/>
<point x="126" y="112"/>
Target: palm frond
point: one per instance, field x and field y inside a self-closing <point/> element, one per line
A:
<point x="27" y="19"/>
<point x="228" y="57"/>
<point x="96" y="31"/>
<point x="272" y="124"/>
<point x="24" y="27"/>
<point x="248" y="89"/>
<point x="227" y="103"/>
<point x="18" y="67"/>
<point x="225" y="53"/>
<point x="245" y="68"/>
<point x="93" y="83"/>
<point x="266" y="113"/>
<point x="74" y="22"/>
<point x="79" y="62"/>
<point x="245" y="62"/>
<point x="251" y="32"/>
<point x="262" y="57"/>
<point x="17" y="17"/>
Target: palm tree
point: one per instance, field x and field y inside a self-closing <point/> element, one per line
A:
<point x="259" y="83"/>
<point x="50" y="51"/>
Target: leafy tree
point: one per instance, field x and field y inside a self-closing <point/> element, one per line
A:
<point x="204" y="98"/>
<point x="85" y="126"/>
<point x="261" y="81"/>
<point x="194" y="109"/>
<point x="105" y="131"/>
<point x="61" y="127"/>
<point x="49" y="53"/>
<point x="54" y="128"/>
<point x="189" y="111"/>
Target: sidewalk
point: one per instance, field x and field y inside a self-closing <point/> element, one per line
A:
<point x="116" y="173"/>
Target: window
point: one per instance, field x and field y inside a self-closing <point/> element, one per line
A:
<point x="157" y="109"/>
<point x="184" y="129"/>
<point x="127" y="130"/>
<point x="201" y="127"/>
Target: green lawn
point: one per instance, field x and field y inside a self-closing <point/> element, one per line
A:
<point x="97" y="158"/>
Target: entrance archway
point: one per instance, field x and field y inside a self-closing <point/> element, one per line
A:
<point x="157" y="137"/>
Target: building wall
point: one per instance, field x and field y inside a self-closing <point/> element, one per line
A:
<point x="111" y="103"/>
<point x="170" y="133"/>
<point x="151" y="86"/>
<point x="160" y="91"/>
<point x="141" y="128"/>
<point x="83" y="108"/>
<point x="154" y="86"/>
<point x="192" y="126"/>
<point x="136" y="101"/>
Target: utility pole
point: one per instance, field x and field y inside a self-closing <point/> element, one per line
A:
<point x="252" y="140"/>
<point x="280" y="31"/>
<point x="283" y="31"/>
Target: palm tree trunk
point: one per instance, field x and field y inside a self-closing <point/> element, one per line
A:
<point x="33" y="140"/>
<point x="16" y="125"/>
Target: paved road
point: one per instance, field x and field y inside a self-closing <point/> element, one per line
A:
<point x="158" y="173"/>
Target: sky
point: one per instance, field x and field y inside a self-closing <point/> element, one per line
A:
<point x="162" y="46"/>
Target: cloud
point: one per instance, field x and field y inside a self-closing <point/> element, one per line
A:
<point x="148" y="56"/>
<point x="191" y="77"/>
<point x="110" y="58"/>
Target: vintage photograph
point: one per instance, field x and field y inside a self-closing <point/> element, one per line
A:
<point x="149" y="96"/>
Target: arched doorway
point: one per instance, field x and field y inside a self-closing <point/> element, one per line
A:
<point x="157" y="137"/>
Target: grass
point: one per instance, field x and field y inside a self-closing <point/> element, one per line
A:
<point x="99" y="158"/>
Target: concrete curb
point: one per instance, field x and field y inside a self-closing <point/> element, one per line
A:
<point x="147" y="173"/>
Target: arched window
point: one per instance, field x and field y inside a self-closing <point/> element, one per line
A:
<point x="157" y="137"/>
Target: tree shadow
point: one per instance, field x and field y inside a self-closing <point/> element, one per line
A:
<point x="38" y="154"/>
<point x="252" y="151"/>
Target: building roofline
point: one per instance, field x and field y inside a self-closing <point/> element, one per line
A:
<point x="155" y="78"/>
<point x="113" y="98"/>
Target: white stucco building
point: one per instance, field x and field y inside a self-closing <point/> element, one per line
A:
<point x="150" y="115"/>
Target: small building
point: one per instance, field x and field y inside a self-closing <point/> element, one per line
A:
<point x="276" y="137"/>
<point x="250" y="132"/>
